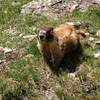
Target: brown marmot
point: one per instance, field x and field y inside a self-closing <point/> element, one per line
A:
<point x="54" y="43"/>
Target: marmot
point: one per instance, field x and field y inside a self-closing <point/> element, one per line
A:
<point x="54" y="43"/>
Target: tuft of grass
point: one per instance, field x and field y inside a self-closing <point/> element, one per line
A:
<point x="18" y="91"/>
<point x="63" y="96"/>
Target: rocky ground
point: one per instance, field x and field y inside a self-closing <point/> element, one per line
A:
<point x="24" y="74"/>
<point x="57" y="7"/>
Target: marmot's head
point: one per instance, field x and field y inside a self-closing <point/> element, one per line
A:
<point x="45" y="34"/>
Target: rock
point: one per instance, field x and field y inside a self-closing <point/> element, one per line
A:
<point x="2" y="61"/>
<point x="29" y="37"/>
<point x="97" y="54"/>
<point x="84" y="4"/>
<point x="98" y="33"/>
<point x="97" y="42"/>
<point x="71" y="5"/>
<point x="1" y="49"/>
<point x="87" y="34"/>
<point x="54" y="7"/>
<point x="20" y="35"/>
<point x="7" y="50"/>
<point x="16" y="3"/>
<point x="91" y="39"/>
<point x="36" y="7"/>
<point x="71" y="75"/>
<point x="29" y="56"/>
<point x="30" y="7"/>
<point x="11" y="55"/>
<point x="49" y="2"/>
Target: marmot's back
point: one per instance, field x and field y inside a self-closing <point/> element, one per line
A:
<point x="67" y="36"/>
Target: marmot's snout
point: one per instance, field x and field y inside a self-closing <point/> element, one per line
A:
<point x="42" y="35"/>
<point x="45" y="34"/>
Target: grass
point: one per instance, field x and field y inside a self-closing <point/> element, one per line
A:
<point x="63" y="96"/>
<point x="21" y="70"/>
<point x="26" y="74"/>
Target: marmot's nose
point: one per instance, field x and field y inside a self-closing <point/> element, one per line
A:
<point x="41" y="37"/>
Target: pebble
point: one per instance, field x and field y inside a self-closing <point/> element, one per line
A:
<point x="98" y="33"/>
<point x="71" y="75"/>
<point x="97" y="54"/>
<point x="87" y="34"/>
<point x="91" y="39"/>
<point x="29" y="37"/>
<point x="2" y="61"/>
<point x="97" y="42"/>
<point x="1" y="48"/>
<point x="5" y="50"/>
<point x="14" y="3"/>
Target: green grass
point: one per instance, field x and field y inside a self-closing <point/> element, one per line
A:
<point x="90" y="17"/>
<point x="17" y="73"/>
<point x="21" y="70"/>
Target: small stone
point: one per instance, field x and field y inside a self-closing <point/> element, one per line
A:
<point x="15" y="3"/>
<point x="97" y="42"/>
<point x="29" y="56"/>
<point x="87" y="34"/>
<point x="20" y="35"/>
<point x="30" y="7"/>
<point x="71" y="75"/>
<point x="29" y="37"/>
<point x="2" y="61"/>
<point x="1" y="48"/>
<point x="97" y="55"/>
<point x="73" y="7"/>
<point x="91" y="39"/>
<point x="5" y="11"/>
<point x="7" y="50"/>
<point x="98" y="33"/>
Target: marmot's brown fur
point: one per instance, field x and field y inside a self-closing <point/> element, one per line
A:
<point x="55" y="43"/>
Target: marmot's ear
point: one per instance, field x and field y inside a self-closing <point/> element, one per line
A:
<point x="49" y="29"/>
